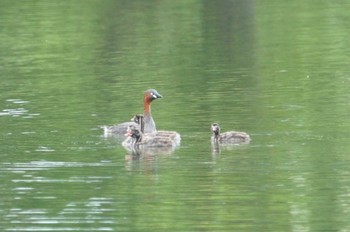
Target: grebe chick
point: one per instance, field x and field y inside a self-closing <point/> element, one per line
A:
<point x="140" y="140"/>
<point x="230" y="137"/>
<point x="149" y="124"/>
<point x="173" y="135"/>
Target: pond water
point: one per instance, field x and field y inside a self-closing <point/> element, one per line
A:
<point x="278" y="70"/>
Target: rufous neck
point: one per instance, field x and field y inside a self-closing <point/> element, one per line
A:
<point x="146" y="105"/>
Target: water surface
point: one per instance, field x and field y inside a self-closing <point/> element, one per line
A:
<point x="277" y="70"/>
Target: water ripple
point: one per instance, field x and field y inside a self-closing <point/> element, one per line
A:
<point x="17" y="101"/>
<point x="17" y="111"/>
<point x="45" y="165"/>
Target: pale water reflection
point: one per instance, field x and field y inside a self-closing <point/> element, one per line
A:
<point x="18" y="109"/>
<point x="275" y="69"/>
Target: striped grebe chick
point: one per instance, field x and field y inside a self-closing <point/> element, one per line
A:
<point x="137" y="139"/>
<point x="229" y="137"/>
<point x="173" y="135"/>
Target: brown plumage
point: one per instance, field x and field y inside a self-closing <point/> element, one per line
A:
<point x="137" y="140"/>
<point x="230" y="137"/>
<point x="173" y="135"/>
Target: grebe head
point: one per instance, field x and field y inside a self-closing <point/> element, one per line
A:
<point x="137" y="118"/>
<point x="151" y="95"/>
<point x="215" y="128"/>
<point x="133" y="132"/>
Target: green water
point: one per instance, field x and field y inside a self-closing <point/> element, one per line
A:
<point x="278" y="70"/>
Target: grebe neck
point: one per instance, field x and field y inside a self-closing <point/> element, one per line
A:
<point x="138" y="138"/>
<point x="216" y="134"/>
<point x="142" y="125"/>
<point x="146" y="105"/>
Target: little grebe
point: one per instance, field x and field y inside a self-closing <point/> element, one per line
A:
<point x="230" y="137"/>
<point x="136" y="139"/>
<point x="149" y="124"/>
<point x="173" y="135"/>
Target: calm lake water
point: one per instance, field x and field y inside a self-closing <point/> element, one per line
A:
<point x="278" y="70"/>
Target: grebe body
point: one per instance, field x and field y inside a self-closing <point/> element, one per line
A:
<point x="137" y="140"/>
<point x="172" y="135"/>
<point x="229" y="137"/>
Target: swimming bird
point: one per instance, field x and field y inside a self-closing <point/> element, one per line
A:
<point x="138" y="140"/>
<point x="173" y="135"/>
<point x="149" y="124"/>
<point x="229" y="137"/>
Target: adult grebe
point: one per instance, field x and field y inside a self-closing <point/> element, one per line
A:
<point x="149" y="124"/>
